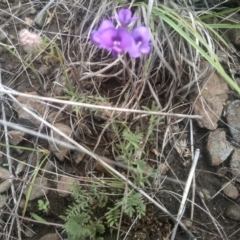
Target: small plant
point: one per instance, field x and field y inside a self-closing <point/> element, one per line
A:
<point x="43" y="206"/>
<point x="79" y="223"/>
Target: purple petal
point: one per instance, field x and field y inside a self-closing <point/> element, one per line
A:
<point x="145" y="48"/>
<point x="107" y="38"/>
<point x="134" y="50"/>
<point x="125" y="38"/>
<point x="124" y="16"/>
<point x="141" y="34"/>
<point x="95" y="38"/>
<point x="105" y="25"/>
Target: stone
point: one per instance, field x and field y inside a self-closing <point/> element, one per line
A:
<point x="59" y="150"/>
<point x="218" y="147"/>
<point x="230" y="190"/>
<point x="59" y="86"/>
<point x="50" y="236"/>
<point x="233" y="119"/>
<point x="65" y="184"/>
<point x="5" y="174"/>
<point x="33" y="105"/>
<point x="78" y="156"/>
<point x="15" y="137"/>
<point x="206" y="194"/>
<point x="99" y="167"/>
<point x="39" y="188"/>
<point x="163" y="168"/>
<point x="233" y="212"/>
<point x="235" y="164"/>
<point x="209" y="104"/>
<point x="5" y="185"/>
<point x="44" y="69"/>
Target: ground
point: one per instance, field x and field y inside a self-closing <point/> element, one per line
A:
<point x="143" y="148"/>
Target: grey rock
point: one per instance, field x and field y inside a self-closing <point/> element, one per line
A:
<point x="50" y="236"/>
<point x="32" y="105"/>
<point x="235" y="164"/>
<point x="4" y="173"/>
<point x="230" y="190"/>
<point x="39" y="188"/>
<point x="60" y="151"/>
<point x="15" y="137"/>
<point x="65" y="184"/>
<point x="218" y="147"/>
<point x="59" y="86"/>
<point x="78" y="156"/>
<point x="233" y="119"/>
<point x="233" y="212"/>
<point x="3" y="200"/>
<point x="44" y="69"/>
<point x="210" y="104"/>
<point x="3" y="35"/>
<point x="5" y="185"/>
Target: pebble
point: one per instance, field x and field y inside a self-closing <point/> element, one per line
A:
<point x="50" y="236"/>
<point x="233" y="212"/>
<point x="39" y="188"/>
<point x="65" y="184"/>
<point x="230" y="190"/>
<point x="210" y="104"/>
<point x="218" y="147"/>
<point x="235" y="164"/>
<point x="15" y="137"/>
<point x="233" y="119"/>
<point x="60" y="151"/>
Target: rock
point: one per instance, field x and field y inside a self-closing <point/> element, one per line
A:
<point x="209" y="104"/>
<point x="230" y="190"/>
<point x="78" y="156"/>
<point x="50" y="236"/>
<point x="233" y="212"/>
<point x="58" y="150"/>
<point x="59" y="86"/>
<point x="163" y="168"/>
<point x="39" y="188"/>
<point x="44" y="69"/>
<point x="235" y="164"/>
<point x="5" y="174"/>
<point x="233" y="119"/>
<point x="5" y="185"/>
<point x="3" y="35"/>
<point x="99" y="167"/>
<point x="64" y="186"/>
<point x="55" y="116"/>
<point x="32" y="105"/>
<point x="206" y="194"/>
<point x="218" y="147"/>
<point x="15" y="137"/>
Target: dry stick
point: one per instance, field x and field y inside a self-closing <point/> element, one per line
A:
<point x="194" y="180"/>
<point x="10" y="168"/>
<point x="185" y="193"/>
<point x="110" y="169"/>
<point x="3" y="90"/>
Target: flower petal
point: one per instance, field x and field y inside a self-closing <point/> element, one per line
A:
<point x="107" y="38"/>
<point x="141" y="34"/>
<point x="134" y="50"/>
<point x="145" y="48"/>
<point x="125" y="38"/>
<point x="95" y="38"/>
<point x="105" y="25"/>
<point x="124" y="16"/>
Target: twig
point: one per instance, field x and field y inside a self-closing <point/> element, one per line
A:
<point x="3" y="90"/>
<point x="10" y="168"/>
<point x="185" y="193"/>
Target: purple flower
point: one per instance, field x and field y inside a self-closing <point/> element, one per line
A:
<point x="140" y="42"/>
<point x="125" y="17"/>
<point x="113" y="39"/>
